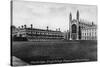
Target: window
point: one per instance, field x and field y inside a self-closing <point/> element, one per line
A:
<point x="85" y="34"/>
<point x="95" y="33"/>
<point x="74" y="28"/>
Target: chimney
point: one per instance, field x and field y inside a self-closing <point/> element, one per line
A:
<point x="25" y="26"/>
<point x="56" y="29"/>
<point x="59" y="29"/>
<point x="92" y="23"/>
<point x="19" y="27"/>
<point x="31" y="26"/>
<point x="22" y="26"/>
<point x="47" y="27"/>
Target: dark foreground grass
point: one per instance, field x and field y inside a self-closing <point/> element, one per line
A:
<point x="55" y="51"/>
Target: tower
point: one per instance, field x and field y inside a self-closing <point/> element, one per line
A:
<point x="22" y="26"/>
<point x="78" y="31"/>
<point x="31" y="26"/>
<point x="77" y="15"/>
<point x="47" y="28"/>
<point x="70" y="20"/>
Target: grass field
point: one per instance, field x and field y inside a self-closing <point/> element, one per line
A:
<point x="52" y="50"/>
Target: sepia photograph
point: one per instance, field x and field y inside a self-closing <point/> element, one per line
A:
<point x="52" y="33"/>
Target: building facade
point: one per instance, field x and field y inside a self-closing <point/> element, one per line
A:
<point x="14" y="31"/>
<point x="81" y="30"/>
<point x="33" y="34"/>
<point x="89" y="33"/>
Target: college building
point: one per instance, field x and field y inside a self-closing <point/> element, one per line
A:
<point x="81" y="30"/>
<point x="33" y="34"/>
<point x="78" y="30"/>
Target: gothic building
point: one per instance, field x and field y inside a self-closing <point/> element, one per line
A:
<point x="78" y="30"/>
<point x="81" y="30"/>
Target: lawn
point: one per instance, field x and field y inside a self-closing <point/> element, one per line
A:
<point x="55" y="50"/>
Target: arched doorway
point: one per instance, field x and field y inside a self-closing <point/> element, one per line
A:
<point x="74" y="31"/>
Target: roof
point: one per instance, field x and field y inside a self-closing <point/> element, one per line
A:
<point x="35" y="29"/>
<point x="85" y="24"/>
<point x="74" y="20"/>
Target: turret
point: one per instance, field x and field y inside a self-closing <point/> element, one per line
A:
<point x="70" y="20"/>
<point x="56" y="29"/>
<point x="47" y="27"/>
<point x="31" y="26"/>
<point x="59" y="29"/>
<point x="77" y="15"/>
<point x="70" y="17"/>
<point x="25" y="26"/>
<point x="22" y="26"/>
<point x="92" y="23"/>
<point x="18" y="27"/>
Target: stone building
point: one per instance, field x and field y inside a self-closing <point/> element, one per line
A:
<point x="89" y="33"/>
<point x="33" y="34"/>
<point x="81" y="30"/>
<point x="14" y="31"/>
<point x="66" y="35"/>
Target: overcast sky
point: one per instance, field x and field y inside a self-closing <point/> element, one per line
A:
<point x="54" y="15"/>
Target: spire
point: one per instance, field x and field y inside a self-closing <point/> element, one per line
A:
<point x="70" y="19"/>
<point x="70" y="16"/>
<point x="77" y="15"/>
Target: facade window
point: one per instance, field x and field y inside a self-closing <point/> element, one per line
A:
<point x="90" y="34"/>
<point x="74" y="28"/>
<point x="85" y="34"/>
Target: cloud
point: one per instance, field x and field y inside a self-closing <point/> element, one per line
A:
<point x="49" y="14"/>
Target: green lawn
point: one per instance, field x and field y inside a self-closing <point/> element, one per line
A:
<point x="51" y="50"/>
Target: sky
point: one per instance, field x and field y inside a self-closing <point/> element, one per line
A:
<point x="53" y="15"/>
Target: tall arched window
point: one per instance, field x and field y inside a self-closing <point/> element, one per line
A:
<point x="74" y="28"/>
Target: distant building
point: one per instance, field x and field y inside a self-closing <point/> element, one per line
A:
<point x="33" y="34"/>
<point x="81" y="30"/>
<point x="14" y="31"/>
<point x="89" y="33"/>
<point x="66" y="35"/>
